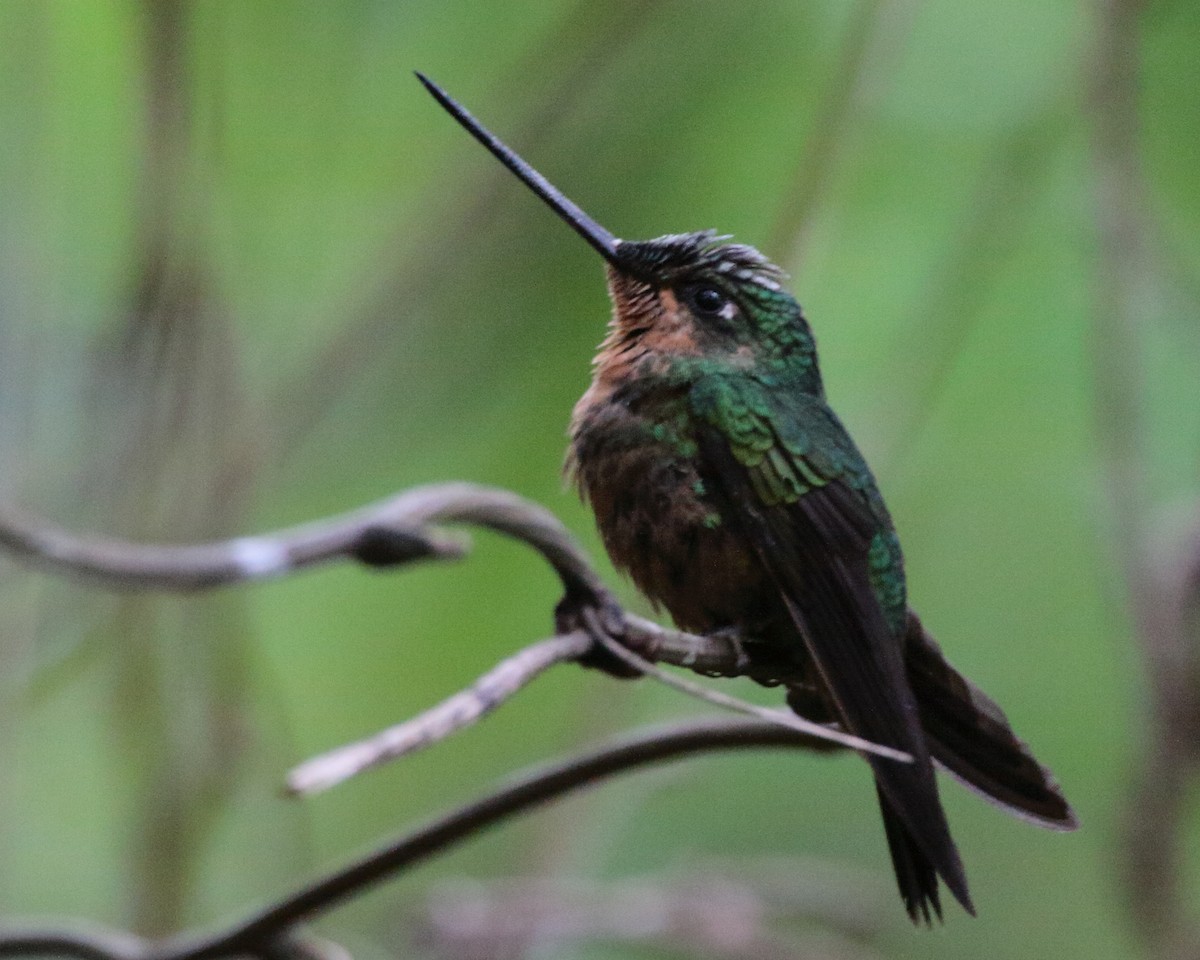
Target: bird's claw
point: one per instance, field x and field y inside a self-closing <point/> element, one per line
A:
<point x="737" y="640"/>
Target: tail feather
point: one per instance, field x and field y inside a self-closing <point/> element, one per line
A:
<point x="915" y="874"/>
<point x="967" y="734"/>
<point x="918" y="835"/>
<point x="970" y="737"/>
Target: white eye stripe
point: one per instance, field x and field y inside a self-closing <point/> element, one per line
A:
<point x="748" y="275"/>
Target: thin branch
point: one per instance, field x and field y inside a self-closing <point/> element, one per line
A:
<point x="261" y="934"/>
<point x="397" y="531"/>
<point x="387" y="533"/>
<point x="254" y="935"/>
<point x="463" y="709"/>
<point x="84" y="943"/>
<point x="467" y="707"/>
<point x="783" y="718"/>
<point x="712" y="655"/>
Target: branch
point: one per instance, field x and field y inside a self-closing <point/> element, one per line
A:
<point x="84" y="943"/>
<point x="523" y="793"/>
<point x="400" y="530"/>
<point x="718" y="653"/>
<point x="387" y="533"/>
<point x="591" y="628"/>
<point x="461" y="710"/>
<point x="261" y="934"/>
<point x="783" y="718"/>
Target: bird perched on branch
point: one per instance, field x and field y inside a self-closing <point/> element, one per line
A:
<point x="732" y="494"/>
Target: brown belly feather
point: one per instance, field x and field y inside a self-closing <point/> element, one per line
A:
<point x="659" y="525"/>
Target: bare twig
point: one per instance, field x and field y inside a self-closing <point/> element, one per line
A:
<point x="512" y="674"/>
<point x="784" y="718"/>
<point x="85" y="943"/>
<point x="712" y="655"/>
<point x="461" y="710"/>
<point x="387" y="533"/>
<point x="524" y="792"/>
<point x="260" y="934"/>
<point x="397" y="531"/>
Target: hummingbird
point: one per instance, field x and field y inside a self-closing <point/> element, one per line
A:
<point x="729" y="491"/>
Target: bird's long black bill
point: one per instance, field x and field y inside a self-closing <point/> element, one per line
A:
<point x="600" y="239"/>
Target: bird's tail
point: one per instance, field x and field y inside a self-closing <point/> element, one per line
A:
<point x="915" y="873"/>
<point x="969" y="736"/>
<point x="918" y="836"/>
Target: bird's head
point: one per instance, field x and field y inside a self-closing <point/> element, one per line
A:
<point x="689" y="294"/>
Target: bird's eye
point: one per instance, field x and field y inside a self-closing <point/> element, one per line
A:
<point x="709" y="300"/>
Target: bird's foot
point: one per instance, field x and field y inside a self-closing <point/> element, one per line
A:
<point x="740" y="659"/>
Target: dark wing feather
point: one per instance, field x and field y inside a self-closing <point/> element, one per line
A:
<point x="815" y="546"/>
<point x="970" y="737"/>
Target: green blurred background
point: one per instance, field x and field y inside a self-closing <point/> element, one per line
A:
<point x="251" y="275"/>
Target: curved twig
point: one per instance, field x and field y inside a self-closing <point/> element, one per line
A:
<point x="524" y="792"/>
<point x="461" y="710"/>
<point x="386" y="533"/>
<point x="84" y="943"/>
<point x="712" y="655"/>
<point x="376" y="534"/>
<point x="260" y="934"/>
<point x="704" y="654"/>
<point x="394" y="531"/>
<point x="399" y="530"/>
<point x="783" y="718"/>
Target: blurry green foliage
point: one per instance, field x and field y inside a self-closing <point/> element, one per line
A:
<point x="250" y="275"/>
